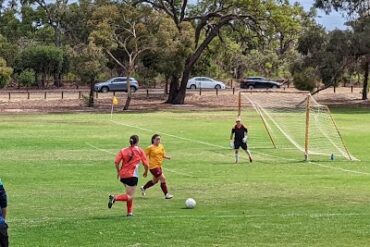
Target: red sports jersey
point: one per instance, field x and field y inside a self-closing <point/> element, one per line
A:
<point x="130" y="158"/>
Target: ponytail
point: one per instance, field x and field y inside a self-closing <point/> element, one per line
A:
<point x="134" y="139"/>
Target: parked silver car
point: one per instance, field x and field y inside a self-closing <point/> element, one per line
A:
<point x="204" y="82"/>
<point x="116" y="84"/>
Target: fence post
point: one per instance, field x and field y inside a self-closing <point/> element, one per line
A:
<point x="9" y="96"/>
<point x="351" y="88"/>
<point x="79" y="94"/>
<point x="62" y="95"/>
<point x="28" y="94"/>
<point x="233" y="90"/>
<point x="97" y="95"/>
<point x="334" y="89"/>
<point x="114" y="93"/>
<point x="217" y="91"/>
<point x="147" y="93"/>
<point x="45" y="95"/>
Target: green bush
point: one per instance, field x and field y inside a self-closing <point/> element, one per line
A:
<point x="305" y="79"/>
<point x="5" y="73"/>
<point x="27" y="78"/>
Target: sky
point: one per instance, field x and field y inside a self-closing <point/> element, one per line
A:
<point x="330" y="22"/>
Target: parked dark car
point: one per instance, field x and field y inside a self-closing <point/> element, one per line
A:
<point x="116" y="84"/>
<point x="258" y="82"/>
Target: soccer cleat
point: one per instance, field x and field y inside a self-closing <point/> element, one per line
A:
<point x="168" y="196"/>
<point x="250" y="159"/>
<point x="111" y="201"/>
<point x="130" y="214"/>
<point x="142" y="190"/>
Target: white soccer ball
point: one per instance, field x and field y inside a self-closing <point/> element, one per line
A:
<point x="190" y="203"/>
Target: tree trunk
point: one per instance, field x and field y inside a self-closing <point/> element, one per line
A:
<point x="166" y="85"/>
<point x="128" y="100"/>
<point x="180" y="96"/>
<point x="366" y="81"/>
<point x="91" y="94"/>
<point x="58" y="43"/>
<point x="174" y="88"/>
<point x="58" y="80"/>
<point x="43" y="80"/>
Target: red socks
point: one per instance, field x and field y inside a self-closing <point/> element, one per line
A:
<point x="164" y="188"/>
<point x="121" y="198"/>
<point x="125" y="198"/>
<point x="148" y="185"/>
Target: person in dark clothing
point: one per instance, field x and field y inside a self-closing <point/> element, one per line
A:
<point x="238" y="139"/>
<point x="4" y="242"/>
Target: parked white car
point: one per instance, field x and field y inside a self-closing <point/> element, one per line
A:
<point x="204" y="82"/>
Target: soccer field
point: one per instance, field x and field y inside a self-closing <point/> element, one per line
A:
<point x="58" y="171"/>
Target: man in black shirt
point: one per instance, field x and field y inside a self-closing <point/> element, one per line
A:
<point x="240" y="140"/>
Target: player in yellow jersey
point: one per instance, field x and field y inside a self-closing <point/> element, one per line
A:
<point x="156" y="154"/>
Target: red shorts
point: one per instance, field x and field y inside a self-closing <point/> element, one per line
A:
<point x="156" y="172"/>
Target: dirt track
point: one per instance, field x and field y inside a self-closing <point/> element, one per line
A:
<point x="35" y="101"/>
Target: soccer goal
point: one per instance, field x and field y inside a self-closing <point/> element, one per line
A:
<point x="294" y="120"/>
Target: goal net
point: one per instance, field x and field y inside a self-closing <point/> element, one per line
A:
<point x="293" y="121"/>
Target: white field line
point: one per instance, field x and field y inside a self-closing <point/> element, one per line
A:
<point x="222" y="147"/>
<point x="166" y="169"/>
<point x="339" y="169"/>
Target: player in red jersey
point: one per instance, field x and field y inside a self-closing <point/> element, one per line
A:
<point x="127" y="165"/>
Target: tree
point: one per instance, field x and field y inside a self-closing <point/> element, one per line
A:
<point x="361" y="46"/>
<point x="352" y="7"/>
<point x="44" y="60"/>
<point x="170" y="50"/>
<point x="359" y="11"/>
<point x="210" y="19"/>
<point x="8" y="51"/>
<point x="329" y="53"/>
<point x="26" y="78"/>
<point x="121" y="29"/>
<point x="87" y="63"/>
<point x="5" y="73"/>
<point x="53" y="17"/>
<point x="76" y="22"/>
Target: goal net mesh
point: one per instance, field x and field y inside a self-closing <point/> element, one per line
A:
<point x="294" y="121"/>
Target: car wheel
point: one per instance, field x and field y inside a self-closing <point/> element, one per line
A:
<point x="193" y="87"/>
<point x="218" y="87"/>
<point x="250" y="87"/>
<point x="105" y="89"/>
<point x="274" y="87"/>
<point x="133" y="89"/>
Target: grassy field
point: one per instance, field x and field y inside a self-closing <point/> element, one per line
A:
<point x="58" y="171"/>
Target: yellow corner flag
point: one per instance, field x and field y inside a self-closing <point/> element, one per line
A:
<point x="115" y="101"/>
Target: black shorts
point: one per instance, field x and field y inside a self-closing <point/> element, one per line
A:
<point x="4" y="241"/>
<point x="3" y="198"/>
<point x="240" y="144"/>
<point x="130" y="181"/>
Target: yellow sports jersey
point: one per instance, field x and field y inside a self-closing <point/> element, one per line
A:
<point x="156" y="155"/>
